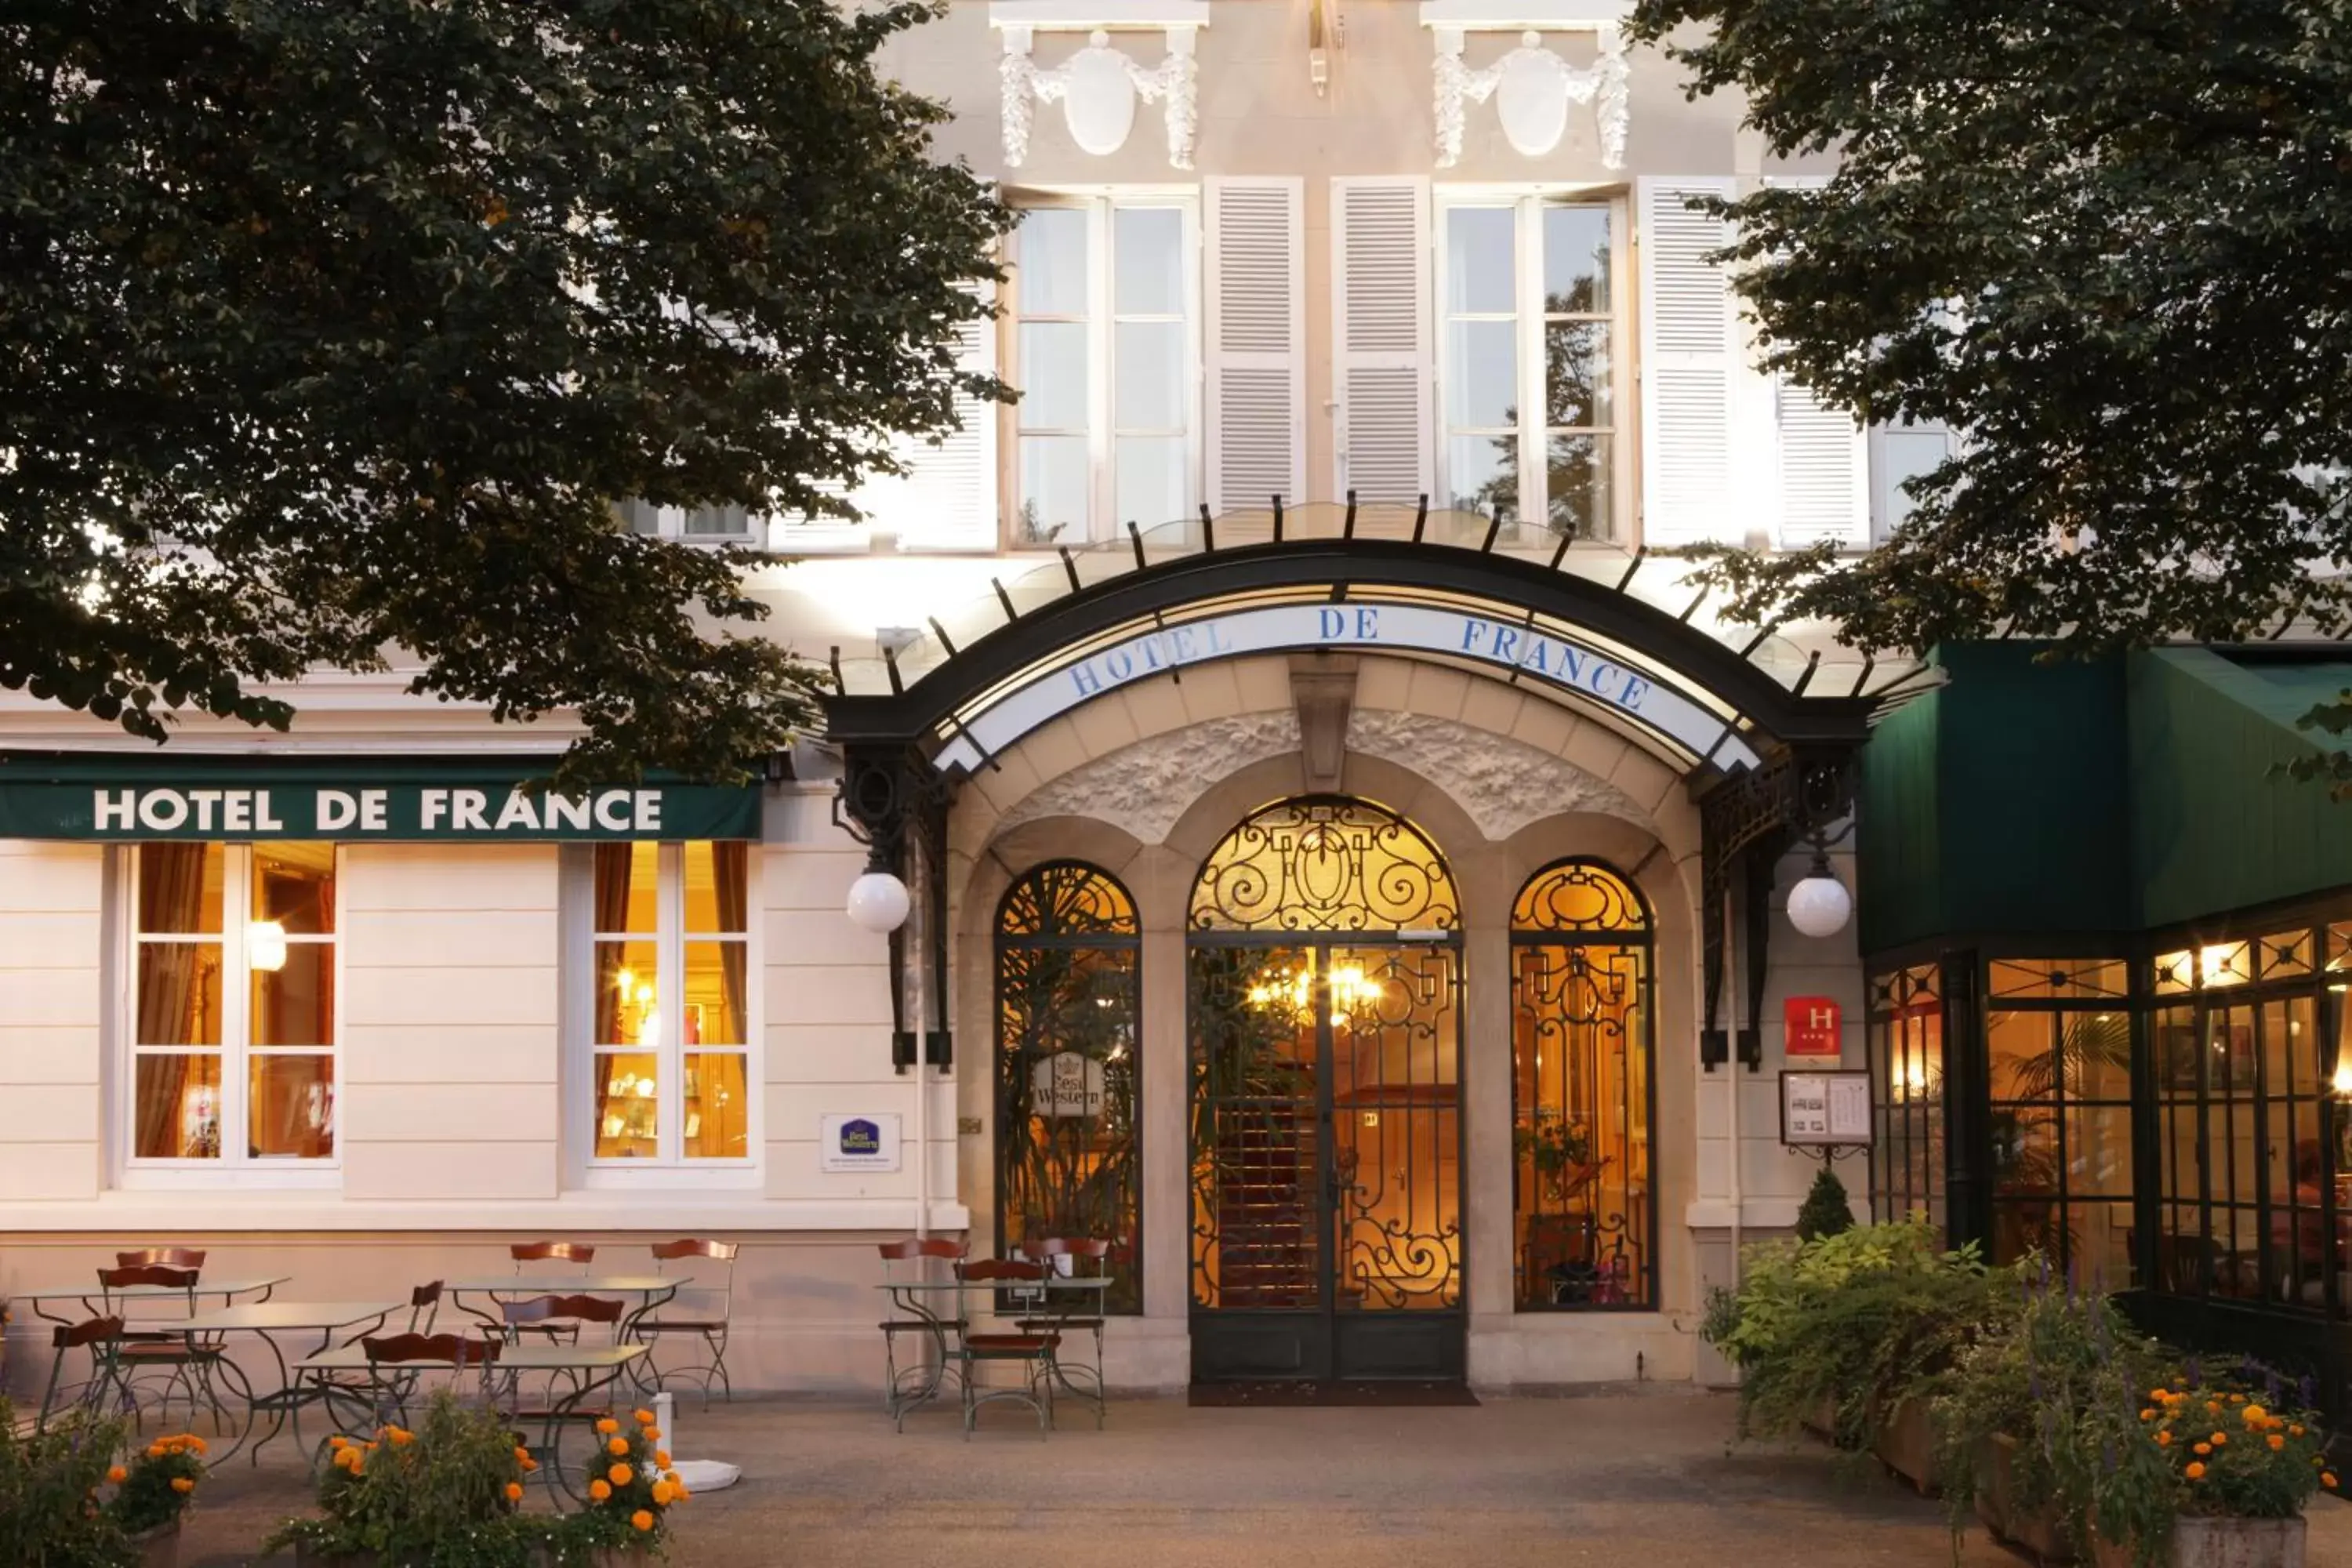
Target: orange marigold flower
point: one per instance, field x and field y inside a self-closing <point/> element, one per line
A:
<point x="400" y="1438"/>
<point x="606" y="1426"/>
<point x="2196" y="1472"/>
<point x="2204" y="1448"/>
<point x="2164" y="1439"/>
<point x="620" y="1475"/>
<point x="2328" y="1479"/>
<point x="600" y="1491"/>
<point x="642" y="1520"/>
<point x="2148" y="1415"/>
<point x="522" y="1455"/>
<point x="117" y="1475"/>
<point x="618" y="1446"/>
<point x="2237" y="1399"/>
<point x="514" y="1491"/>
<point x="2221" y="1439"/>
<point x="652" y="1433"/>
<point x="2156" y="1394"/>
<point x="155" y="1450"/>
<point x="182" y="1485"/>
<point x="662" y="1491"/>
<point x="661" y="1457"/>
<point x="2295" y="1430"/>
<point x="529" y="1463"/>
<point x="2277" y="1442"/>
<point x="2254" y="1415"/>
<point x="644" y="1417"/>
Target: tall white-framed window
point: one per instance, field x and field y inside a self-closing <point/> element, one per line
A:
<point x="1533" y="358"/>
<point x="1105" y="349"/>
<point x="667" y="1015"/>
<point x="695" y="525"/>
<point x="1900" y="453"/>
<point x="235" y="1025"/>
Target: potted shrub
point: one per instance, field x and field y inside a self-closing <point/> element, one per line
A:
<point x="1853" y="1332"/>
<point x="631" y="1490"/>
<point x="67" y="1500"/>
<point x="153" y="1488"/>
<point x="2205" y="1472"/>
<point x="2003" y="1415"/>
<point x="445" y="1495"/>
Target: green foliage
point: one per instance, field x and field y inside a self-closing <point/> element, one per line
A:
<point x="1826" y="1210"/>
<point x="50" y="1516"/>
<point x="1857" y="1321"/>
<point x="333" y="328"/>
<point x="156" y="1483"/>
<point x="445" y="1495"/>
<point x="2103" y="240"/>
<point x="2061" y="1356"/>
<point x="630" y="1486"/>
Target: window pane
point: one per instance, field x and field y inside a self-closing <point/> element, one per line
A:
<point x="1150" y="385"/>
<point x="718" y="1107"/>
<point x="1576" y="258"/>
<point x="294" y="1004"/>
<point x="1053" y="488"/>
<point x="628" y="1107"/>
<point x="1904" y="455"/>
<point x="180" y="886"/>
<point x="2097" y="1052"/>
<point x="714" y="994"/>
<point x="1479" y="271"/>
<point x="2022" y="1064"/>
<point x="292" y="1112"/>
<point x="627" y="887"/>
<point x="1481" y="473"/>
<point x="1578" y="486"/>
<point x="2099" y="1151"/>
<point x="2025" y="1152"/>
<point x="179" y="994"/>
<point x="178" y="1112"/>
<point x="1482" y="373"/>
<point x="2099" y="1237"/>
<point x="1577" y="389"/>
<point x="1052" y="262"/>
<point x="1052" y="375"/>
<point x="627" y="995"/>
<point x="1148" y="245"/>
<point x="1151" y="474"/>
<point x="294" y="884"/>
<point x="715" y="885"/>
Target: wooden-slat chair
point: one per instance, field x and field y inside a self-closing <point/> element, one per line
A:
<point x="1034" y="1353"/>
<point x="579" y="1254"/>
<point x="1091" y="1253"/>
<point x="146" y="1347"/>
<point x="703" y="1308"/>
<point x="101" y="1338"/>
<point x="904" y="1387"/>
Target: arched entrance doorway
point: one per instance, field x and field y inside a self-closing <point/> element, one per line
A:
<point x="1324" y="1019"/>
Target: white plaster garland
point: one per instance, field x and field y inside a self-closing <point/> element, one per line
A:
<point x="1097" y="88"/>
<point x="1536" y="87"/>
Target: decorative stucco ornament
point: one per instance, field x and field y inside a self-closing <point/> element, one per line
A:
<point x="1532" y="87"/>
<point x="1097" y="87"/>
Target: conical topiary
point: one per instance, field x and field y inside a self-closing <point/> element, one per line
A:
<point x="1826" y="1211"/>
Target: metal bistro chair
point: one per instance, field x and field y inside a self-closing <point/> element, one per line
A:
<point x="1091" y="1253"/>
<point x="396" y="1364"/>
<point x="701" y="1309"/>
<point x="528" y="1316"/>
<point x="525" y="1253"/>
<point x="1033" y="1351"/>
<point x="103" y="1338"/>
<point x="169" y="1256"/>
<point x="148" y="1346"/>
<point x="347" y="1390"/>
<point x="905" y="1387"/>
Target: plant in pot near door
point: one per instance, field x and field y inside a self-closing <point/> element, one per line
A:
<point x="152" y="1489"/>
<point x="2200" y="1471"/>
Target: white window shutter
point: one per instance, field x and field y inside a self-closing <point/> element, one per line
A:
<point x="1689" y="360"/>
<point x="1820" y="456"/>
<point x="1254" y="238"/>
<point x="1380" y="305"/>
<point x="947" y="499"/>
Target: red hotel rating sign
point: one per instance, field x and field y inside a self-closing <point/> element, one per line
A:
<point x="1809" y="1027"/>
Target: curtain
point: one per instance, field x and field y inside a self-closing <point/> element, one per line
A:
<point x="171" y="898"/>
<point x="611" y="912"/>
<point x="729" y="868"/>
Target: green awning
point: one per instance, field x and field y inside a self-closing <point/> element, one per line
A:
<point x="173" y="795"/>
<point x="2022" y="800"/>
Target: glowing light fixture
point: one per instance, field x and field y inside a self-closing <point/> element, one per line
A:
<point x="265" y="945"/>
<point x="878" y="902"/>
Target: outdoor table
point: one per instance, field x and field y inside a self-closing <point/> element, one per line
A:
<point x="265" y="1319"/>
<point x="590" y="1368"/>
<point x="93" y="1297"/>
<point x="909" y="1295"/>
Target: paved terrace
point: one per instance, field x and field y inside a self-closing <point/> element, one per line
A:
<point x="1637" y="1478"/>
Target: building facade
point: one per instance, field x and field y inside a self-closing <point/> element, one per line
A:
<point x="1349" y="867"/>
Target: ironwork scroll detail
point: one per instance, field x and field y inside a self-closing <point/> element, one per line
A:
<point x="1325" y="864"/>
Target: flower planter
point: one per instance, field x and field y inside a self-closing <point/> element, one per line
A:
<point x="1906" y="1444"/>
<point x="2034" y="1532"/>
<point x="159" y="1547"/>
<point x="2206" y="1541"/>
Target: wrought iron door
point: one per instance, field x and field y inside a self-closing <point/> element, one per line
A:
<point x="1327" y="1143"/>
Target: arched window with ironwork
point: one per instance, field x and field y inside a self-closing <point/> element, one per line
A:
<point x="1583" y="1092"/>
<point x="1068" y="1141"/>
